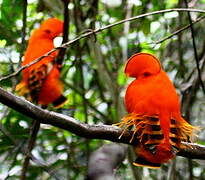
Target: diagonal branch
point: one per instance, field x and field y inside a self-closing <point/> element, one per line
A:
<point x="178" y="31"/>
<point x="78" y="128"/>
<point x="91" y="32"/>
<point x="20" y="147"/>
<point x="31" y="143"/>
<point x="195" y="49"/>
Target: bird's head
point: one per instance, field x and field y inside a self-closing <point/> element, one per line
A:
<point x="142" y="65"/>
<point x="52" y="27"/>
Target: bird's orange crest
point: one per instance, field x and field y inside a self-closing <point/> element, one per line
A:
<point x="142" y="63"/>
<point x="154" y="112"/>
<point x="52" y="26"/>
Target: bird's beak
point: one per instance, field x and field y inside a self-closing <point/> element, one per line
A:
<point x="60" y="35"/>
<point x="127" y="75"/>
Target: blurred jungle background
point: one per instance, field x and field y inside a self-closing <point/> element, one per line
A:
<point x="94" y="81"/>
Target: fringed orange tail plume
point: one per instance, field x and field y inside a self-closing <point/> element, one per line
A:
<point x="151" y="150"/>
<point x="154" y="113"/>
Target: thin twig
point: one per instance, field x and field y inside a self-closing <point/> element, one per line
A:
<point x="38" y="162"/>
<point x="13" y="163"/>
<point x="65" y="45"/>
<point x="195" y="49"/>
<point x="177" y="32"/>
<point x="44" y="166"/>
<point x="31" y="143"/>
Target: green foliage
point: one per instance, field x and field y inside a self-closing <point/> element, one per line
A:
<point x="9" y="17"/>
<point x="94" y="80"/>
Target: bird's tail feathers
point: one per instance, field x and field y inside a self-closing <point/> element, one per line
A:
<point x="60" y="101"/>
<point x="141" y="161"/>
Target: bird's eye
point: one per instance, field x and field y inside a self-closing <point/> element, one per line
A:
<point x="146" y="74"/>
<point x="47" y="31"/>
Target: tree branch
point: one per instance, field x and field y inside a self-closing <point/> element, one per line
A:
<point x="178" y="31"/>
<point x="31" y="143"/>
<point x="20" y="147"/>
<point x="91" y="32"/>
<point x="62" y="51"/>
<point x="195" y="49"/>
<point x="78" y="128"/>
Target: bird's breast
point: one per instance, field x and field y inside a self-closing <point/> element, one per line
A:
<point x="151" y="96"/>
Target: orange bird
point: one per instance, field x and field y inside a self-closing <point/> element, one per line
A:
<point x="41" y="81"/>
<point x="154" y="112"/>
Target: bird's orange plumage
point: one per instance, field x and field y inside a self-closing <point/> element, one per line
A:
<point x="154" y="111"/>
<point x="41" y="81"/>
